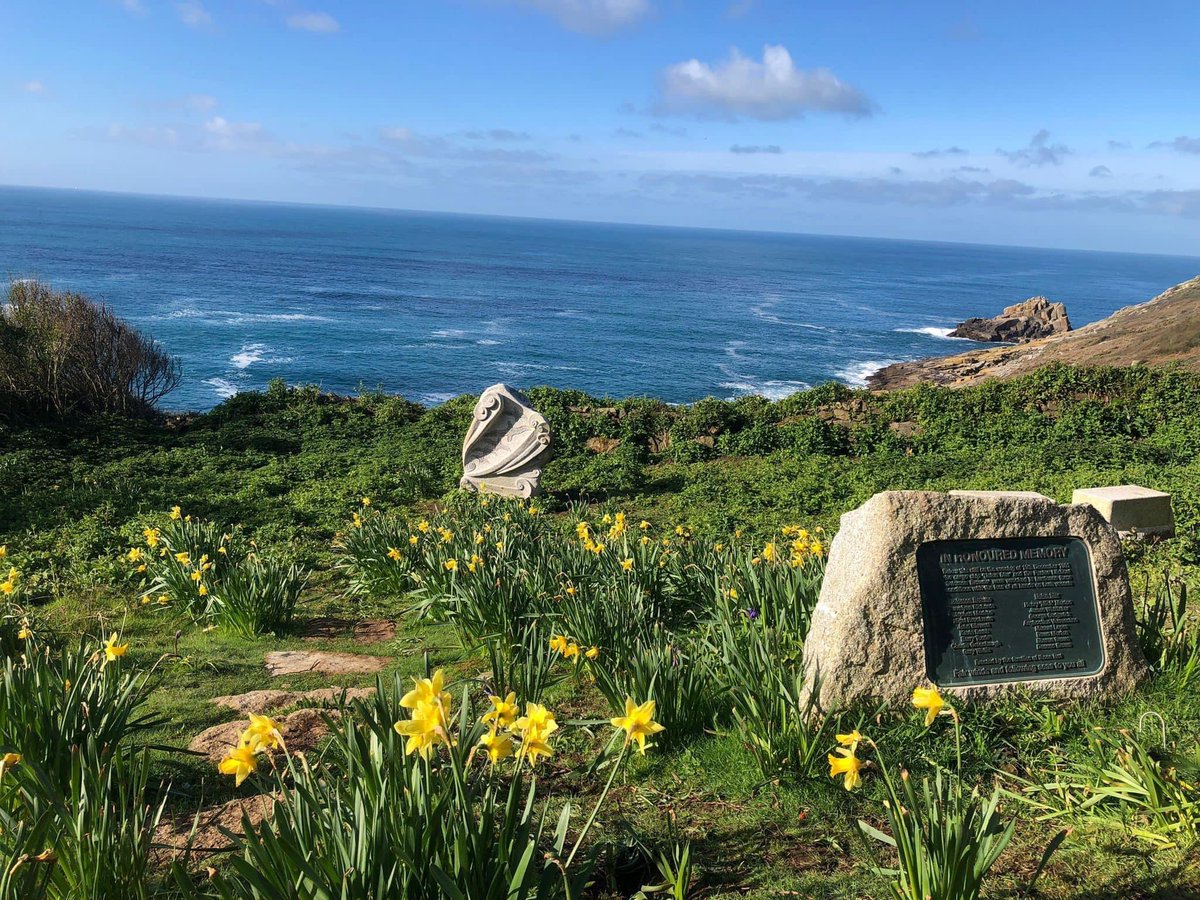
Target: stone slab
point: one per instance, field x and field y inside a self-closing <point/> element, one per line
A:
<point x="1131" y="508"/>
<point x="299" y="662"/>
<point x="868" y="638"/>
<point x="1027" y="495"/>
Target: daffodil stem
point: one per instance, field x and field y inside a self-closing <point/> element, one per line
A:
<point x="596" y="809"/>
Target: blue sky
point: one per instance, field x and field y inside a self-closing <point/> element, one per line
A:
<point x="1047" y="124"/>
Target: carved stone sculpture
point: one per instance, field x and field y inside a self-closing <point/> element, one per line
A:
<point x="506" y="445"/>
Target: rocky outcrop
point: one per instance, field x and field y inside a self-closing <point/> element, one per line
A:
<point x="1020" y="323"/>
<point x="1163" y="331"/>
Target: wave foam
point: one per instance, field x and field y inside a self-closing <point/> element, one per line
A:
<point x="932" y="331"/>
<point x="856" y="374"/>
<point x="222" y="387"/>
<point x="771" y="389"/>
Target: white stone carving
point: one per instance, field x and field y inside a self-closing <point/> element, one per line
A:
<point x="506" y="445"/>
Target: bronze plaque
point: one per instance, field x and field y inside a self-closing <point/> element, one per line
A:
<point x="1008" y="609"/>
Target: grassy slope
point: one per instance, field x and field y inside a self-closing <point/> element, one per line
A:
<point x="291" y="465"/>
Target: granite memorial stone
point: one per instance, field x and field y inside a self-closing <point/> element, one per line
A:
<point x="976" y="594"/>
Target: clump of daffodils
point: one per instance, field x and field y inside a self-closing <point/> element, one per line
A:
<point x="258" y="740"/>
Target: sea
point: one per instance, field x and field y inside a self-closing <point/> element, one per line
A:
<point x="431" y="305"/>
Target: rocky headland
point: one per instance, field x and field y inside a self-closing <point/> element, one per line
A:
<point x="1020" y="323"/>
<point x="1159" y="332"/>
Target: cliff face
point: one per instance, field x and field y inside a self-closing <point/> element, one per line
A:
<point x="1161" y="331"/>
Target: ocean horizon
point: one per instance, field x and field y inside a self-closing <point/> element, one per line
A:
<point x="433" y="305"/>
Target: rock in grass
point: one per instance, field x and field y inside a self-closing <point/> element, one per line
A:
<point x="301" y="730"/>
<point x="979" y="595"/>
<point x="299" y="662"/>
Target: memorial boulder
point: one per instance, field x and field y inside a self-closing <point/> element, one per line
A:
<point x="978" y="595"/>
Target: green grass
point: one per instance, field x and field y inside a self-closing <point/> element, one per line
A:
<point x="291" y="465"/>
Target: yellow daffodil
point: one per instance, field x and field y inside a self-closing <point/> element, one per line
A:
<point x="134" y="554"/>
<point x="572" y="590"/>
<point x="571" y="651"/>
<point x="176" y="513"/>
<point x="239" y="762"/>
<point x="423" y="527"/>
<point x="582" y="531"/>
<point x="592" y="652"/>
<point x="733" y="594"/>
<point x="851" y="740"/>
<point x="394" y="554"/>
<point x="427" y="726"/>
<point x="151" y="535"/>
<point x="770" y="551"/>
<point x="627" y="564"/>
<point x="533" y="510"/>
<point x="196" y="576"/>
<point x="845" y="764"/>
<point x="263" y="734"/>
<point x="8" y="761"/>
<point x="451" y="565"/>
<point x="498" y="746"/>
<point x="538" y="722"/>
<point x="25" y="633"/>
<point x="112" y="650"/>
<point x="202" y="591"/>
<point x="426" y="690"/>
<point x="503" y="712"/>
<point x="183" y="558"/>
<point x="533" y="746"/>
<point x="3" y="550"/>
<point x="930" y="700"/>
<point x="413" y="540"/>
<point x="366" y="501"/>
<point x="638" y="723"/>
<point x="643" y="525"/>
<point x="558" y="643"/>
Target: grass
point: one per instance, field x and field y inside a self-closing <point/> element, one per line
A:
<point x="291" y="465"/>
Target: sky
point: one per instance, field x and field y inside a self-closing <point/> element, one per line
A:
<point x="1053" y="123"/>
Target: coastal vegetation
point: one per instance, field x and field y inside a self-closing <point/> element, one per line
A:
<point x="592" y="694"/>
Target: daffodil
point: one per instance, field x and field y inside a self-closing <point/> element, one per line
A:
<point x="134" y="554"/>
<point x="176" y="513"/>
<point x="366" y="501"/>
<point x="503" y="712"/>
<point x="538" y="722"/>
<point x="627" y="564"/>
<point x="413" y="540"/>
<point x="7" y="587"/>
<point x="638" y="723"/>
<point x="8" y="761"/>
<point x="643" y="525"/>
<point x="851" y="740"/>
<point x="929" y="700"/>
<point x="183" y="558"/>
<point x="451" y="565"/>
<point x="3" y="550"/>
<point x="498" y="746"/>
<point x="112" y="650"/>
<point x="202" y="590"/>
<point x="558" y="643"/>
<point x="394" y="555"/>
<point x="426" y="690"/>
<point x="770" y="551"/>
<point x="571" y="651"/>
<point x="845" y="764"/>
<point x="427" y="726"/>
<point x="239" y="762"/>
<point x="25" y="633"/>
<point x="592" y="652"/>
<point x="423" y="526"/>
<point x="532" y="747"/>
<point x="263" y="734"/>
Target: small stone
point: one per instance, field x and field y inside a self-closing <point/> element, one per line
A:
<point x="297" y="662"/>
<point x="1131" y="509"/>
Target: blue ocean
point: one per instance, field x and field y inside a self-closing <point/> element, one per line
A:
<point x="430" y="306"/>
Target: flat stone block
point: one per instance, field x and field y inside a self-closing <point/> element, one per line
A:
<point x="992" y="495"/>
<point x="1131" y="508"/>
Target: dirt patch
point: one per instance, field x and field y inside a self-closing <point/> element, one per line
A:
<point x="265" y="701"/>
<point x="369" y="631"/>
<point x="172" y="835"/>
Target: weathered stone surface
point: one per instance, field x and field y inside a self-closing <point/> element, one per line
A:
<point x="260" y="702"/>
<point x="506" y="446"/>
<point x="1026" y="495"/>
<point x="867" y="638"/>
<point x="1131" y="509"/>
<point x="301" y="731"/>
<point x="299" y="662"/>
<point x="207" y="833"/>
<point x="1020" y="323"/>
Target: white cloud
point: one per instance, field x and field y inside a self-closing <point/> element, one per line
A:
<point x="193" y="14"/>
<point x="597" y="17"/>
<point x="221" y="134"/>
<point x="36" y="88"/>
<point x="320" y="22"/>
<point x="770" y="90"/>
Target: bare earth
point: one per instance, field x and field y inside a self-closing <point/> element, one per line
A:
<point x="1162" y="331"/>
